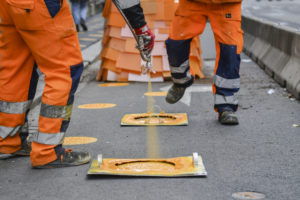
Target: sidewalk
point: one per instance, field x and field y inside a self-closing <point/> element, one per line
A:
<point x="90" y="44"/>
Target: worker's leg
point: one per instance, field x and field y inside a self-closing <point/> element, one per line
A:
<point x="18" y="80"/>
<point x="226" y="24"/>
<point x="52" y="39"/>
<point x="186" y="24"/>
<point x="83" y="10"/>
<point x="76" y="11"/>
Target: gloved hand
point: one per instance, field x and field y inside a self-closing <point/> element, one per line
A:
<point x="145" y="42"/>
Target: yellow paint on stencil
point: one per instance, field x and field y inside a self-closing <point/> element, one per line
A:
<point x="97" y="106"/>
<point x="113" y="84"/>
<point x="79" y="140"/>
<point x="155" y="119"/>
<point x="179" y="166"/>
<point x="156" y="94"/>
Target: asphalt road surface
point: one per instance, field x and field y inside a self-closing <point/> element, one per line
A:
<point x="259" y="155"/>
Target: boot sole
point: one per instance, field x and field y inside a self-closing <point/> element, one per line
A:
<point x="61" y="165"/>
<point x="229" y="122"/>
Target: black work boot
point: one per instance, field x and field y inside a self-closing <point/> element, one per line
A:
<point x="24" y="151"/>
<point x="228" y="118"/>
<point x="77" y="28"/>
<point x="83" y="25"/>
<point x="68" y="158"/>
<point x="175" y="93"/>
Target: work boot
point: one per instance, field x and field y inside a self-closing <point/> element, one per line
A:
<point x="228" y="118"/>
<point x="24" y="151"/>
<point x="175" y="93"/>
<point x="68" y="158"/>
<point x="77" y="28"/>
<point x="83" y="25"/>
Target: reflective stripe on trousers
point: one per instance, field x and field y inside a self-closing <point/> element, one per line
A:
<point x="52" y="113"/>
<point x="49" y="138"/>
<point x="227" y="79"/>
<point x="178" y="56"/>
<point x="12" y="109"/>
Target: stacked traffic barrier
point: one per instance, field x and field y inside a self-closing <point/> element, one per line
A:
<point x="121" y="61"/>
<point x="274" y="49"/>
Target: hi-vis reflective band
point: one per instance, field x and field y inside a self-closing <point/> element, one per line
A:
<point x="219" y="99"/>
<point x="182" y="68"/>
<point x="49" y="138"/>
<point x="9" y="131"/>
<point x="14" y="107"/>
<point x="183" y="80"/>
<point x="226" y="83"/>
<point x="50" y="111"/>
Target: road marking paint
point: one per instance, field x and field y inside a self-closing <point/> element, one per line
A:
<point x="186" y="99"/>
<point x="95" y="35"/>
<point x="82" y="45"/>
<point x="87" y="39"/>
<point x="97" y="106"/>
<point x="79" y="140"/>
<point x="248" y="195"/>
<point x="112" y="84"/>
<point x="156" y="94"/>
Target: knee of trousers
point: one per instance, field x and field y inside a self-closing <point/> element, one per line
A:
<point x="178" y="56"/>
<point x="178" y="51"/>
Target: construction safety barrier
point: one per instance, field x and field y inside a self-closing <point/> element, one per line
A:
<point x="121" y="61"/>
<point x="274" y="49"/>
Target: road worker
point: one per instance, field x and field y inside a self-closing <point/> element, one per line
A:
<point x="41" y="34"/>
<point x="190" y="19"/>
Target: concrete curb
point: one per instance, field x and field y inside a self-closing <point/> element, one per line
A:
<point x="275" y="49"/>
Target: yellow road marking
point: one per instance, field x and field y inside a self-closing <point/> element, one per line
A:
<point x="156" y="94"/>
<point x="97" y="106"/>
<point x="79" y="140"/>
<point x="95" y="35"/>
<point x="87" y="39"/>
<point x="113" y="84"/>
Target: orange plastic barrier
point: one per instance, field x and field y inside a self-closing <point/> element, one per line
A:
<point x="121" y="61"/>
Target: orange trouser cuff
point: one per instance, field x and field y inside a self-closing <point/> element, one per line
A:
<point x="10" y="144"/>
<point x="42" y="154"/>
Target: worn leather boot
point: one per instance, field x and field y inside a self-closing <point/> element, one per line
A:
<point x="175" y="93"/>
<point x="68" y="158"/>
<point x="228" y="118"/>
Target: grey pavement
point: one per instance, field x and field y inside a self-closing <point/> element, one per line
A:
<point x="261" y="154"/>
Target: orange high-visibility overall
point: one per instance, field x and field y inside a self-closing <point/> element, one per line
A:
<point x="37" y="34"/>
<point x="190" y="19"/>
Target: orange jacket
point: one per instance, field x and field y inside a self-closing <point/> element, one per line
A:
<point x="217" y="1"/>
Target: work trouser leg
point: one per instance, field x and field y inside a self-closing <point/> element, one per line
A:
<point x="18" y="80"/>
<point x="178" y="56"/>
<point x="50" y="33"/>
<point x="185" y="25"/>
<point x="226" y="24"/>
